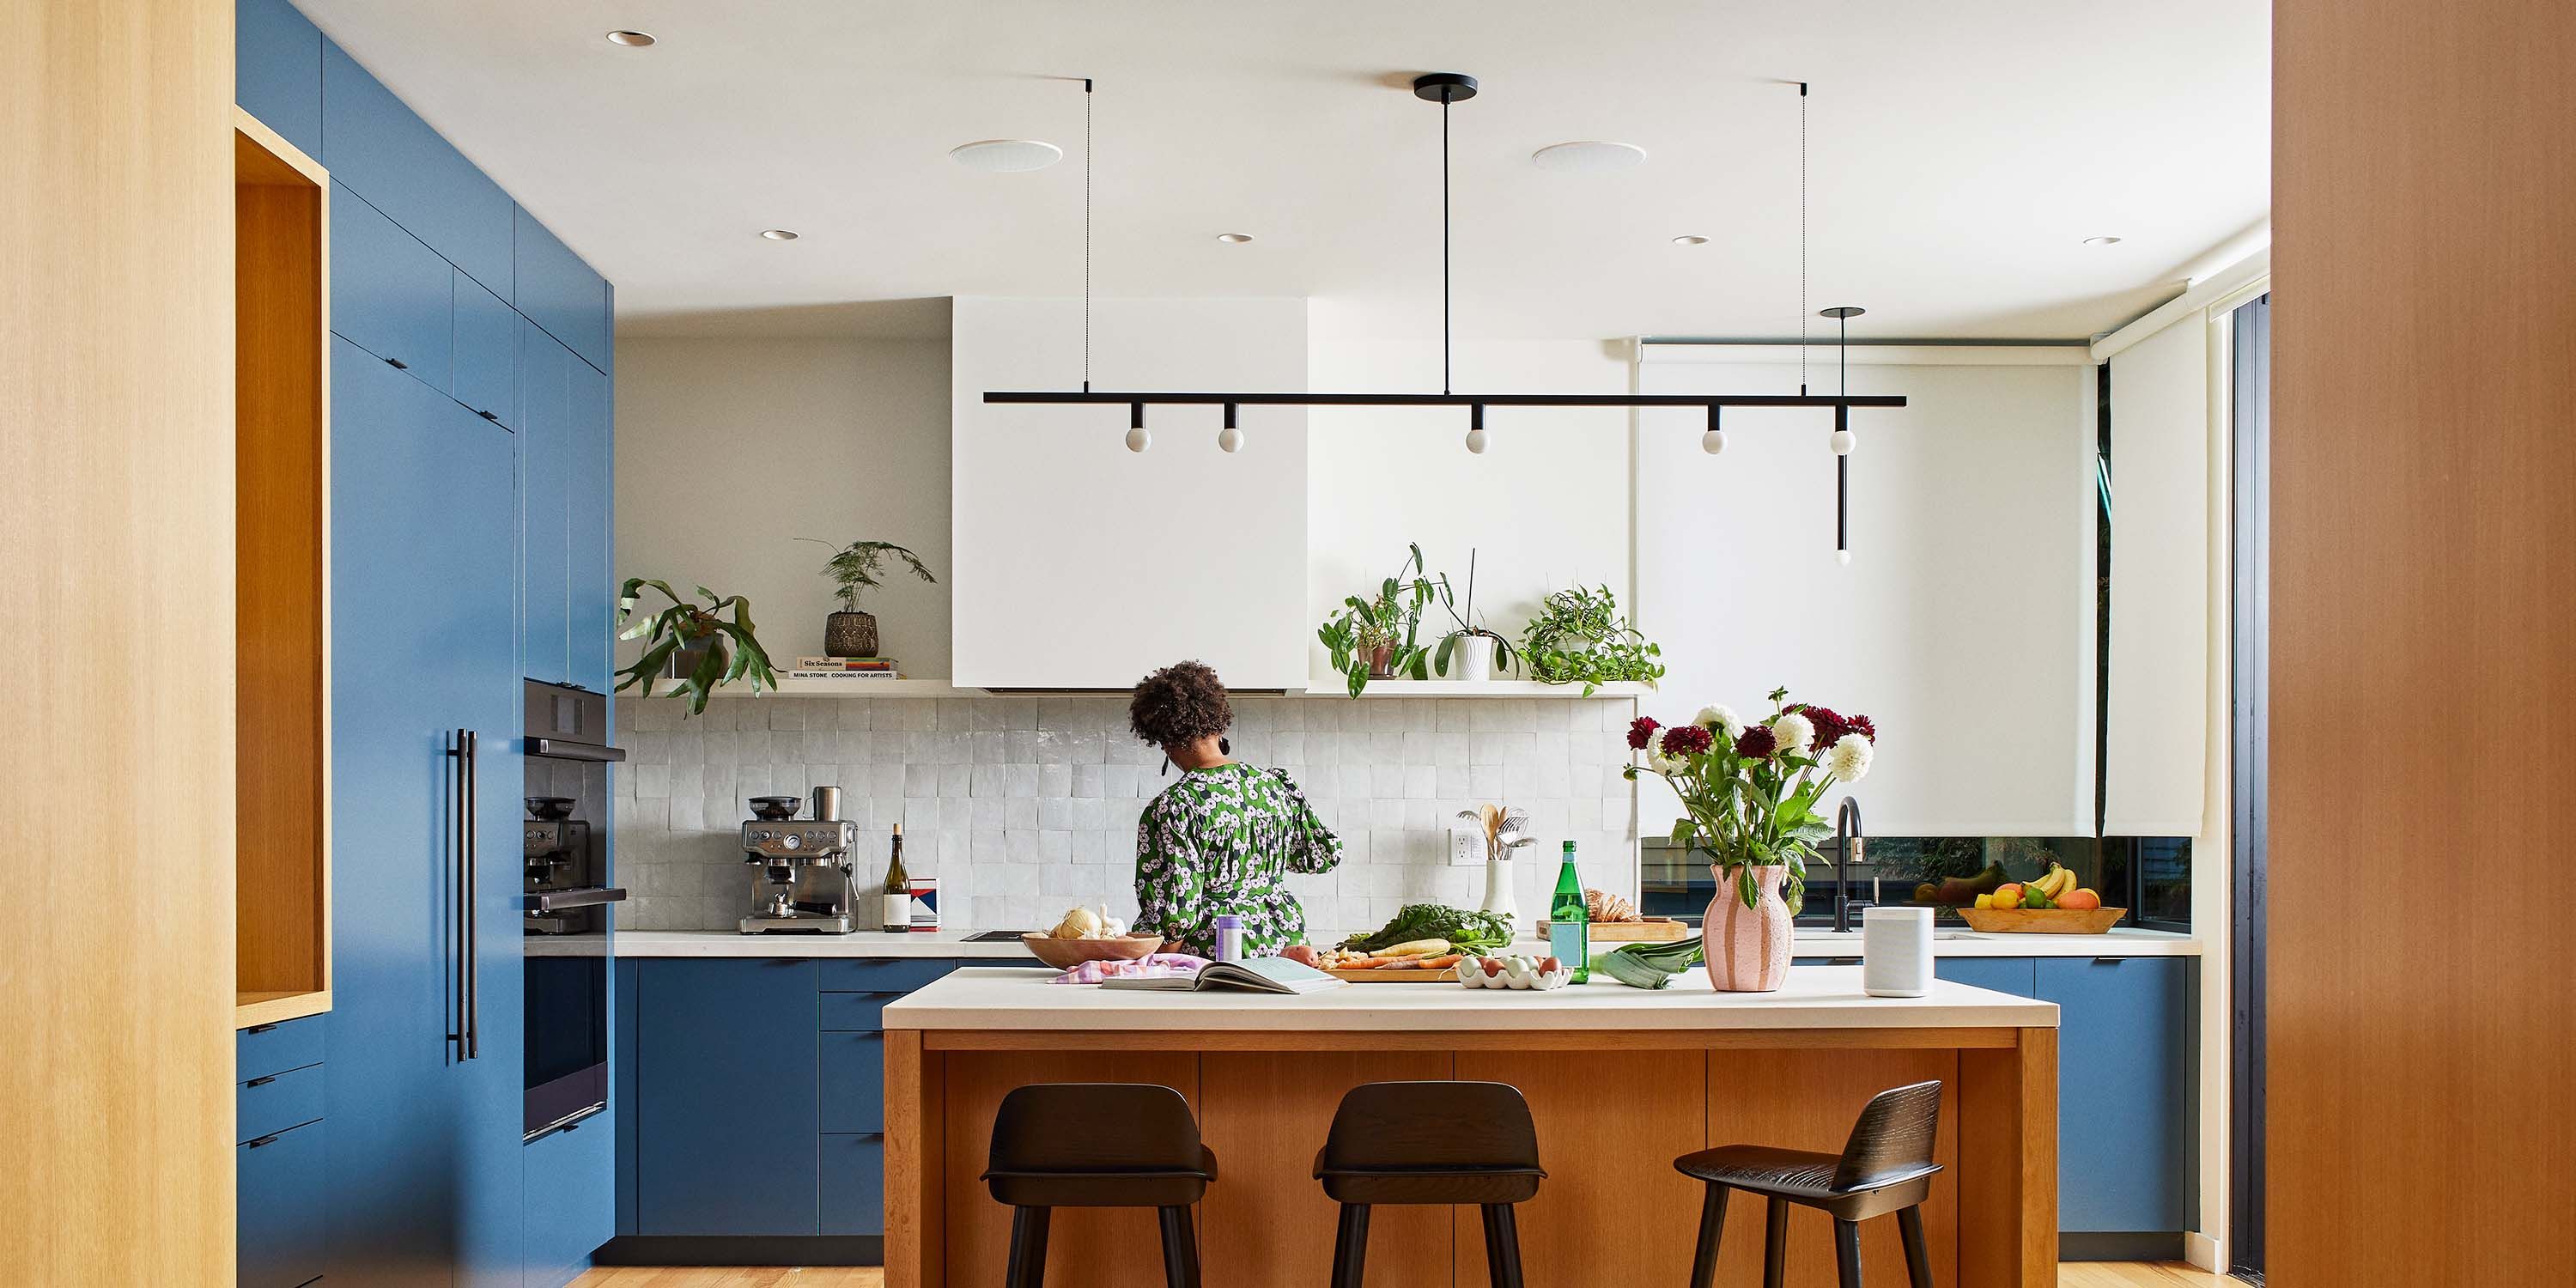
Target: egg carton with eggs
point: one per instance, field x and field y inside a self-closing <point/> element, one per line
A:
<point x="1525" y="973"/>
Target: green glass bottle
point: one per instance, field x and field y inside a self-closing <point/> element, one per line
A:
<point x="1569" y="922"/>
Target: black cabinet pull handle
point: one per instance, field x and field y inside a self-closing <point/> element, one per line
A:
<point x="473" y="881"/>
<point x="1842" y="961"/>
<point x="398" y="364"/>
<point x="2108" y="961"/>
<point x="269" y="1139"/>
<point x="261" y="1082"/>
<point x="261" y="1028"/>
<point x="485" y="414"/>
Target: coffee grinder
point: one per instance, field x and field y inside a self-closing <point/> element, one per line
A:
<point x="800" y="878"/>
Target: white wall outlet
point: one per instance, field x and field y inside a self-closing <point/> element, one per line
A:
<point x="1466" y="847"/>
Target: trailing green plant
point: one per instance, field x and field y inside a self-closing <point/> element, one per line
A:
<point x="1468" y="624"/>
<point x="853" y="568"/>
<point x="1579" y="637"/>
<point x="1389" y="621"/>
<point x="733" y="650"/>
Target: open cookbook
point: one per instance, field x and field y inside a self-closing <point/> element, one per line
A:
<point x="1260" y="975"/>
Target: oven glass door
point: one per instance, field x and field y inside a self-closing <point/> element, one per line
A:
<point x="567" y="1018"/>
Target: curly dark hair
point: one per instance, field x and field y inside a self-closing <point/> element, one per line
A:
<point x="1179" y="704"/>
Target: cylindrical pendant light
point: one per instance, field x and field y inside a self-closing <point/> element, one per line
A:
<point x="1137" y="439"/>
<point x="1842" y="440"/>
<point x="1229" y="438"/>
<point x="1476" y="428"/>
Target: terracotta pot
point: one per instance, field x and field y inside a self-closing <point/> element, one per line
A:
<point x="1747" y="948"/>
<point x="850" y="635"/>
<point x="1382" y="662"/>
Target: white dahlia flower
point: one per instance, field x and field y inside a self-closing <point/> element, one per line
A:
<point x="1655" y="757"/>
<point x="1719" y="720"/>
<point x="1848" y="759"/>
<point x="1796" y="733"/>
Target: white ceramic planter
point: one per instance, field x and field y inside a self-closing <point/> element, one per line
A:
<point x="1473" y="658"/>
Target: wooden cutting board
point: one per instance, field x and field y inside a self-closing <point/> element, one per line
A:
<point x="1652" y="930"/>
<point x="1444" y="975"/>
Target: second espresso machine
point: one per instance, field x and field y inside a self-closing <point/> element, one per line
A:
<point x="800" y="868"/>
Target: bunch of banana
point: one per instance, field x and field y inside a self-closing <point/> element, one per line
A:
<point x="2057" y="889"/>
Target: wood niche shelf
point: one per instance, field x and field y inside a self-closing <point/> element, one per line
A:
<point x="282" y="578"/>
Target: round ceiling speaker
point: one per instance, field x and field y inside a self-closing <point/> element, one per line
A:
<point x="1590" y="156"/>
<point x="1006" y="156"/>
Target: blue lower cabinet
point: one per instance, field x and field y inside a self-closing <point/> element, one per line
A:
<point x="2018" y="976"/>
<point x="854" y="1184"/>
<point x="882" y="974"/>
<point x="263" y="1049"/>
<point x="570" y="1208"/>
<point x="726" y="1093"/>
<point x="853" y="1082"/>
<point x="2124" y="1091"/>
<point x="272" y="1103"/>
<point x="279" y="1180"/>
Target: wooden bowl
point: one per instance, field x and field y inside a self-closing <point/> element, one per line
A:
<point x="2042" y="921"/>
<point x="1065" y="954"/>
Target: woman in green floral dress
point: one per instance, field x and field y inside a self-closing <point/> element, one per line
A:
<point x="1220" y="840"/>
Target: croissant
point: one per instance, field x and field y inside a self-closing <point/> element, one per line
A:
<point x="1601" y="905"/>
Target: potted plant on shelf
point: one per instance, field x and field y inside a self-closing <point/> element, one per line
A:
<point x="1374" y="638"/>
<point x="712" y="651"/>
<point x="1477" y="652"/>
<point x="1579" y="637"/>
<point x="854" y="568"/>
<point x="1749" y="795"/>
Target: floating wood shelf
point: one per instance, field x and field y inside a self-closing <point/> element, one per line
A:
<point x="1485" y="689"/>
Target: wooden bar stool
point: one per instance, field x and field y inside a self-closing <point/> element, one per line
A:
<point x="1434" y="1143"/>
<point x="1886" y="1167"/>
<point x="1096" y="1144"/>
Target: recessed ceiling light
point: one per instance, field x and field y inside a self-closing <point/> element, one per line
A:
<point x="1690" y="239"/>
<point x="1590" y="156"/>
<point x="630" y="39"/>
<point x="779" y="234"/>
<point x="2101" y="241"/>
<point x="1006" y="156"/>
<point x="1234" y="239"/>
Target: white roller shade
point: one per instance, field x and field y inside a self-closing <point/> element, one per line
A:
<point x="1964" y="625"/>
<point x="2157" y="705"/>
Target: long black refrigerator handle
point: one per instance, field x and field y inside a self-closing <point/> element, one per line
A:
<point x="464" y="762"/>
<point x="473" y="926"/>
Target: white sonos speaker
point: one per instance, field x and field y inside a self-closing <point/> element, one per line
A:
<point x="1896" y="951"/>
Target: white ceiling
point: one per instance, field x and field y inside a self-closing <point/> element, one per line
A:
<point x="1959" y="154"/>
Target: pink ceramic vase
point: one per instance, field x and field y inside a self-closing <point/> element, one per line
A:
<point x="1747" y="948"/>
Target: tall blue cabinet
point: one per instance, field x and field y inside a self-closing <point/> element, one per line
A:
<point x="470" y="445"/>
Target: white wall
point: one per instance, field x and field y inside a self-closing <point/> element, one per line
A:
<point x="1546" y="506"/>
<point x="728" y="450"/>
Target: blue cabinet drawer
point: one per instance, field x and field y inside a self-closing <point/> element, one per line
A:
<point x="387" y="154"/>
<point x="274" y="1102"/>
<point x="2018" y="976"/>
<point x="571" y="1199"/>
<point x="263" y="1049"/>
<point x="487" y="353"/>
<point x="391" y="295"/>
<point x="280" y="1188"/>
<point x="853" y="1094"/>
<point x="854" y="1184"/>
<point x="882" y="974"/>
<point x="2124" y="1088"/>
<point x="860" y="1012"/>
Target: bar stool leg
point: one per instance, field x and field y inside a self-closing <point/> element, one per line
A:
<point x="1712" y="1223"/>
<point x="1775" y="1243"/>
<point x="1027" y="1267"/>
<point x="1502" y="1246"/>
<point x="1180" y="1248"/>
<point x="1350" y="1245"/>
<point x="1918" y="1263"/>
<point x="1847" y="1253"/>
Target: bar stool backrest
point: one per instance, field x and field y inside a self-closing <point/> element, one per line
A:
<point x="1095" y="1127"/>
<point x="1893" y="1138"/>
<point x="1432" y="1126"/>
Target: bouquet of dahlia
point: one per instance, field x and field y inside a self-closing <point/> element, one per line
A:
<point x="1749" y="791"/>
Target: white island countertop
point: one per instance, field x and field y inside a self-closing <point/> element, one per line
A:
<point x="1815" y="997"/>
<point x="951" y="944"/>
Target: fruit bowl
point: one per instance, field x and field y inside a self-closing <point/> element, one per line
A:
<point x="1065" y="954"/>
<point x="2042" y="921"/>
<point x="1471" y="974"/>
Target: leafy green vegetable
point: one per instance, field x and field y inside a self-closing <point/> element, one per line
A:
<point x="1466" y="931"/>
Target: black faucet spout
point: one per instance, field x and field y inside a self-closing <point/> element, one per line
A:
<point x="1848" y="844"/>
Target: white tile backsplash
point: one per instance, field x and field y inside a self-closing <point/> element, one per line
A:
<point x="1022" y="805"/>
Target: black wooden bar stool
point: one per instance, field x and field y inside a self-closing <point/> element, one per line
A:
<point x="1434" y="1143"/>
<point x="1098" y="1144"/>
<point x="1886" y="1167"/>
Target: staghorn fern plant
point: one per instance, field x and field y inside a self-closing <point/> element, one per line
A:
<point x="733" y="650"/>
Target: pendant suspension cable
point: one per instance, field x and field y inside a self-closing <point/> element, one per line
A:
<point x="1086" y="234"/>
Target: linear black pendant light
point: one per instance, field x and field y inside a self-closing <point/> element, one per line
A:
<point x="1448" y="89"/>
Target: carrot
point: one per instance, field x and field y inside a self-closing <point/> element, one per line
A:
<point x="1429" y="963"/>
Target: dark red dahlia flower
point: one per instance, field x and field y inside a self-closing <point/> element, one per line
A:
<point x="1687" y="740"/>
<point x="1830" y="727"/>
<point x="1860" y="725"/>
<point x="1757" y="741"/>
<point x="1639" y="730"/>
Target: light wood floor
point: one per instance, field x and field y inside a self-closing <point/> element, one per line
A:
<point x="2079" y="1274"/>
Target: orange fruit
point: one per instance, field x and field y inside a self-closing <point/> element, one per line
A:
<point x="2080" y="901"/>
<point x="2008" y="895"/>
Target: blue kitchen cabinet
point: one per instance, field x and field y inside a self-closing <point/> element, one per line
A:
<point x="589" y="480"/>
<point x="2124" y="1091"/>
<point x="280" y="1183"/>
<point x="390" y="295"/>
<point x="422" y="519"/>
<point x="487" y="353"/>
<point x="853" y="1092"/>
<point x="559" y="292"/>
<point x="570" y="1206"/>
<point x="545" y="442"/>
<point x="622" y="1030"/>
<point x="725" y="1103"/>
<point x="277" y="60"/>
<point x="380" y="148"/>
<point x="854" y="1184"/>
<point x="2018" y="976"/>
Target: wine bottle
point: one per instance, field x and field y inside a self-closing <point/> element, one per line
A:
<point x="898" y="890"/>
<point x="1569" y="922"/>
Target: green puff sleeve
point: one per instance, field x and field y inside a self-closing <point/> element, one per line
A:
<point x="1168" y="889"/>
<point x="1311" y="847"/>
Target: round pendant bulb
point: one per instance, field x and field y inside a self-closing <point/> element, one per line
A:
<point x="1712" y="441"/>
<point x="1230" y="438"/>
<point x="1476" y="440"/>
<point x="1842" y="441"/>
<point x="1843" y="557"/>
<point x="1137" y="439"/>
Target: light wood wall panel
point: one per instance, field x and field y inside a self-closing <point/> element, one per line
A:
<point x="2423" y="669"/>
<point x="116" y="497"/>
<point x="1266" y="1115"/>
<point x="1598" y="1115"/>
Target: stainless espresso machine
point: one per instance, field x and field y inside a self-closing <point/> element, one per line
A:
<point x="800" y="879"/>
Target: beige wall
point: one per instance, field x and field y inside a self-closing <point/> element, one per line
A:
<point x="116" y="544"/>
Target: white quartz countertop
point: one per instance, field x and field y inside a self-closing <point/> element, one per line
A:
<point x="1815" y="997"/>
<point x="950" y="944"/>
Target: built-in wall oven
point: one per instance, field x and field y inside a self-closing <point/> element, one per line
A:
<point x="569" y="896"/>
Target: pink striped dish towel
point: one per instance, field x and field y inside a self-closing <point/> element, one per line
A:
<point x="1153" y="966"/>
